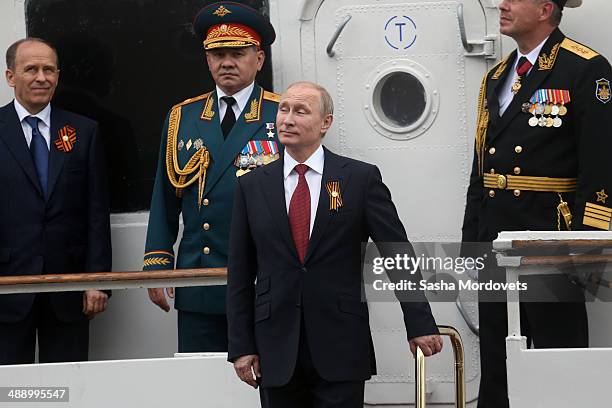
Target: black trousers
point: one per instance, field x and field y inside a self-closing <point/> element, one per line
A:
<point x="307" y="389"/>
<point x="546" y="325"/>
<point x="58" y="341"/>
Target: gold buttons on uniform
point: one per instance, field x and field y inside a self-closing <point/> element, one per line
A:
<point x="206" y="226"/>
<point x="492" y="150"/>
<point x="206" y="250"/>
<point x="491" y="193"/>
<point x="205" y="201"/>
<point x="518" y="149"/>
<point x="517" y="170"/>
<point x="517" y="193"/>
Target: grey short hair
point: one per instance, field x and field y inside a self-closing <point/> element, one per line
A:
<point x="326" y="103"/>
<point x="11" y="52"/>
<point x="557" y="13"/>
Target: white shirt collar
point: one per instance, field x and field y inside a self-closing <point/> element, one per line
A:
<point x="532" y="56"/>
<point x="44" y="115"/>
<point x="242" y="96"/>
<point x="315" y="162"/>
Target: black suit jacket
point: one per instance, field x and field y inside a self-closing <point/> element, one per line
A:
<point x="580" y="148"/>
<point x="265" y="317"/>
<point x="70" y="230"/>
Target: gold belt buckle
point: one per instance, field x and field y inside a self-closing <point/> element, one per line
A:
<point x="502" y="182"/>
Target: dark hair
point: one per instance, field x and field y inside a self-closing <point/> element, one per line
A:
<point x="11" y="52"/>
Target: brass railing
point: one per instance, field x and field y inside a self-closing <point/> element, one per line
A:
<point x="458" y="353"/>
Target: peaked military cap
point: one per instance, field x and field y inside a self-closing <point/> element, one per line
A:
<point x="228" y="24"/>
<point x="568" y="3"/>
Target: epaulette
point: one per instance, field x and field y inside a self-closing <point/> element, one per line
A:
<point x="578" y="49"/>
<point x="191" y="100"/>
<point x="271" y="96"/>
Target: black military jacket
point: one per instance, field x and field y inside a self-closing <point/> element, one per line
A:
<point x="577" y="149"/>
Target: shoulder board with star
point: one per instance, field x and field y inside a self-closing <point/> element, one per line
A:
<point x="192" y="100"/>
<point x="578" y="49"/>
<point x="271" y="96"/>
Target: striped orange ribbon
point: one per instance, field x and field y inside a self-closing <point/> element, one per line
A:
<point x="67" y="138"/>
<point x="335" y="199"/>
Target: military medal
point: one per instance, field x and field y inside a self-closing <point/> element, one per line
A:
<point x="548" y="105"/>
<point x="180" y="145"/>
<point x="66" y="140"/>
<point x="270" y="128"/>
<point x="549" y="122"/>
<point x="198" y="143"/>
<point x="555" y="110"/>
<point x="526" y="107"/>
<point x="542" y="121"/>
<point x="521" y="70"/>
<point x="189" y="144"/>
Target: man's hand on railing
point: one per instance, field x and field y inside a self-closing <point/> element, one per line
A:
<point x="94" y="302"/>
<point x="430" y="345"/>
<point x="158" y="297"/>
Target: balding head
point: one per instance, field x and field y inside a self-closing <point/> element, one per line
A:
<point x="326" y="103"/>
<point x="11" y="52"/>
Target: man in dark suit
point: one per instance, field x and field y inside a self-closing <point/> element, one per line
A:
<point x="541" y="163"/>
<point x="54" y="212"/>
<point x="297" y="230"/>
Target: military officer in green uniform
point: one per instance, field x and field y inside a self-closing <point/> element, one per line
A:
<point x="207" y="142"/>
<point x="542" y="163"/>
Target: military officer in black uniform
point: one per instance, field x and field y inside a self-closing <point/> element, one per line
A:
<point x="207" y="142"/>
<point x="541" y="162"/>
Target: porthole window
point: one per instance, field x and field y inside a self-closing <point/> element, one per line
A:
<point x="401" y="99"/>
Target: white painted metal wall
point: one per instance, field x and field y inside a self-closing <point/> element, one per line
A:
<point x="428" y="188"/>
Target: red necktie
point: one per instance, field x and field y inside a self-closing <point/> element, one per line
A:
<point x="523" y="66"/>
<point x="299" y="213"/>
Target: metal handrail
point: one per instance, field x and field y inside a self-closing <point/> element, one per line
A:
<point x="332" y="41"/>
<point x="459" y="356"/>
<point x="464" y="41"/>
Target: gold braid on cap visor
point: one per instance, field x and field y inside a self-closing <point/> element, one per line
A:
<point x="229" y="36"/>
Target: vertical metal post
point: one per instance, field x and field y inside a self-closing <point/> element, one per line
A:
<point x="459" y="357"/>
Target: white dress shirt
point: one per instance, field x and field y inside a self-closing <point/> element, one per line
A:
<point x="506" y="95"/>
<point x="313" y="178"/>
<point x="241" y="97"/>
<point x="44" y="125"/>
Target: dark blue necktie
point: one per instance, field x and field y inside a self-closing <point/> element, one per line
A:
<point x="40" y="153"/>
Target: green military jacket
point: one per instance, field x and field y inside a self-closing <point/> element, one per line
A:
<point x="196" y="176"/>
